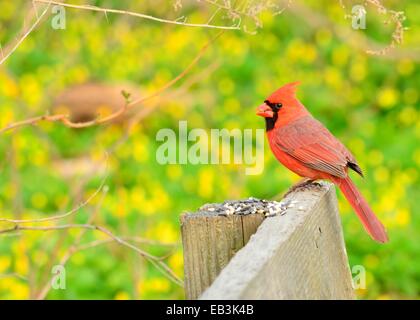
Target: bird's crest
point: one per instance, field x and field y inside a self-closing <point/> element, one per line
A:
<point x="287" y="91"/>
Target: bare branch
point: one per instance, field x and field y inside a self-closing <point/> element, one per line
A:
<point x="64" y="118"/>
<point x="154" y="260"/>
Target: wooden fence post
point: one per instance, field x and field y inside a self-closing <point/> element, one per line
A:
<point x="210" y="240"/>
<point x="297" y="254"/>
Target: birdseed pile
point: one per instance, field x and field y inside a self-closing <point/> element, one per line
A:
<point x="249" y="206"/>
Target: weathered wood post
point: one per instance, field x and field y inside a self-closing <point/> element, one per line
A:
<point x="210" y="239"/>
<point x="298" y="253"/>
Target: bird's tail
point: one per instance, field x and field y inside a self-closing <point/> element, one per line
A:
<point x="371" y="223"/>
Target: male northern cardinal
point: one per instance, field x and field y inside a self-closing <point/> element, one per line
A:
<point x="305" y="146"/>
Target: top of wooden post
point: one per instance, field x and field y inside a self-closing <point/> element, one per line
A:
<point x="299" y="254"/>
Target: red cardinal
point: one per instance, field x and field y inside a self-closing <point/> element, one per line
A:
<point x="305" y="146"/>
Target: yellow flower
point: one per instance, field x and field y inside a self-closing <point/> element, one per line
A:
<point x="333" y="77"/>
<point x="121" y="295"/>
<point x="4" y="263"/>
<point x="6" y="116"/>
<point x="174" y="172"/>
<point x="158" y="284"/>
<point x="121" y="210"/>
<point x="159" y="198"/>
<point x="79" y="74"/>
<point x="165" y="232"/>
<point x="310" y="54"/>
<point x="403" y="217"/>
<point x="19" y="291"/>
<point x="137" y="197"/>
<point x="31" y="91"/>
<point x="205" y="178"/>
<point x="387" y="97"/>
<point x="39" y="157"/>
<point x="177" y="41"/>
<point x="9" y="87"/>
<point x="21" y="264"/>
<point x="176" y="110"/>
<point x="140" y="151"/>
<point x="234" y="47"/>
<point x="176" y="262"/>
<point x="148" y="208"/>
<point x="295" y="50"/>
<point x="267" y="18"/>
<point x="358" y="71"/>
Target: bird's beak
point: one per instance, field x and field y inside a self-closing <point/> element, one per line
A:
<point x="265" y="111"/>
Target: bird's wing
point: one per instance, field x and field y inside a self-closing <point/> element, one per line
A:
<point x="308" y="141"/>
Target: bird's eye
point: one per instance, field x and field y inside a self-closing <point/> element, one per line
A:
<point x="273" y="106"/>
<point x="276" y="106"/>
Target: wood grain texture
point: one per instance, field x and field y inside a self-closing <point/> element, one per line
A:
<point x="298" y="255"/>
<point x="209" y="242"/>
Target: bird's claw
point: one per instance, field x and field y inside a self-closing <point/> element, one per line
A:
<point x="302" y="186"/>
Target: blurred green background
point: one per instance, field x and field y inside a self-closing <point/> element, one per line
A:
<point x="370" y="102"/>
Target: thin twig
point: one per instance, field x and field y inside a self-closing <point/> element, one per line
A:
<point x="64" y="118"/>
<point x="139" y="15"/>
<point x="144" y="113"/>
<point x="24" y="36"/>
<point x="133" y="239"/>
<point x="63" y="215"/>
<point x="154" y="260"/>
<point x="47" y="287"/>
<point x="13" y="275"/>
